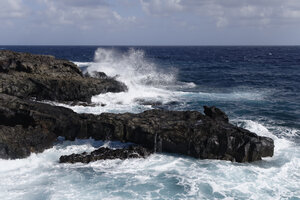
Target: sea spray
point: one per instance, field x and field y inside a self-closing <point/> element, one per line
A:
<point x="260" y="94"/>
<point x="161" y="176"/>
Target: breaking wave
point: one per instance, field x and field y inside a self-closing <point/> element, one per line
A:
<point x="160" y="176"/>
<point x="148" y="84"/>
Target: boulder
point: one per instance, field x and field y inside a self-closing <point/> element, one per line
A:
<point x="45" y="78"/>
<point x="104" y="153"/>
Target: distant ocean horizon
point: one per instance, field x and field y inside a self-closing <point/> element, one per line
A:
<point x="257" y="86"/>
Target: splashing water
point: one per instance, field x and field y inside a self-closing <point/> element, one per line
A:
<point x="143" y="78"/>
<point x="146" y="82"/>
<point x="260" y="105"/>
<point x="160" y="176"/>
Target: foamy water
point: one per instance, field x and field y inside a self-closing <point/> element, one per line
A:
<point x="160" y="176"/>
<point x="146" y="82"/>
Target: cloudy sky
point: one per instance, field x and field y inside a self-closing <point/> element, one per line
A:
<point x="150" y="22"/>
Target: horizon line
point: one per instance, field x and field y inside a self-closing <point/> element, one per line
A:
<point x="145" y="45"/>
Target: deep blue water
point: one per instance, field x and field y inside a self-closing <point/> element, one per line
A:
<point x="272" y="72"/>
<point x="258" y="87"/>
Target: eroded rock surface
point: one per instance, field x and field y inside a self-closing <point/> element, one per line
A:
<point x="104" y="153"/>
<point x="27" y="126"/>
<point x="45" y="78"/>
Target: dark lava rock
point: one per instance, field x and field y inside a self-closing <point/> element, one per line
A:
<point x="18" y="141"/>
<point x="99" y="75"/>
<point x="106" y="153"/>
<point x="46" y="78"/>
<point x="186" y="132"/>
<point x="215" y="113"/>
<point x="146" y="102"/>
<point x="27" y="126"/>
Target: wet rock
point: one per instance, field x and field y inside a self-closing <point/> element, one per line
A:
<point x="186" y="132"/>
<point x="19" y="142"/>
<point x="146" y="102"/>
<point x="85" y="104"/>
<point x="27" y="126"/>
<point x="46" y="78"/>
<point x="107" y="153"/>
<point x="215" y="113"/>
<point x="99" y="75"/>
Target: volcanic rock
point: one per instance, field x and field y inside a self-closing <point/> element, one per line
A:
<point x="104" y="153"/>
<point x="27" y="126"/>
<point x="185" y="132"/>
<point x="45" y="78"/>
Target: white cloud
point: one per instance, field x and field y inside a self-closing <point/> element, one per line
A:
<point x="221" y="22"/>
<point x="230" y="12"/>
<point x="12" y="9"/>
<point x="83" y="14"/>
<point x="161" y="7"/>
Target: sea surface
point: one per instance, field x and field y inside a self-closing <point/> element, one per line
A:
<point x="258" y="87"/>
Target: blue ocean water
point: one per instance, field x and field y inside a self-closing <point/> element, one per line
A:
<point x="258" y="87"/>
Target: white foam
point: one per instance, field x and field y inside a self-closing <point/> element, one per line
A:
<point x="230" y="96"/>
<point x="281" y="143"/>
<point x="83" y="64"/>
<point x="257" y="128"/>
<point x="143" y="78"/>
<point x="161" y="176"/>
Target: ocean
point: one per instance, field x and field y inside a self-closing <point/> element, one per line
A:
<point x="258" y="87"/>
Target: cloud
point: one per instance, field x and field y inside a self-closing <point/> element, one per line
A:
<point x="161" y="7"/>
<point x="83" y="14"/>
<point x="230" y="12"/>
<point x="81" y="3"/>
<point x="10" y="9"/>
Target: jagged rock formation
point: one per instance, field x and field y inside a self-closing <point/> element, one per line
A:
<point x="46" y="78"/>
<point x="104" y="153"/>
<point x="27" y="126"/>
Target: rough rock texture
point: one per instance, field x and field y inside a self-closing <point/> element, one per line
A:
<point x="27" y="126"/>
<point x="46" y="78"/>
<point x="186" y="132"/>
<point x="18" y="141"/>
<point x="106" y="153"/>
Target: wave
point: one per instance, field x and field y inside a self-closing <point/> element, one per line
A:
<point x="83" y="64"/>
<point x="230" y="96"/>
<point x="163" y="176"/>
<point x="132" y="68"/>
<point x="147" y="82"/>
<point x="280" y="141"/>
<point x="144" y="79"/>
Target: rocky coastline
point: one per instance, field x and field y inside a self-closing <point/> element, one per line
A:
<point x="28" y="126"/>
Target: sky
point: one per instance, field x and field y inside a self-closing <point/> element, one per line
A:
<point x="150" y="22"/>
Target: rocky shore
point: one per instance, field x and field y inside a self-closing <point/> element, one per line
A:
<point x="28" y="126"/>
<point x="46" y="78"/>
<point x="104" y="153"/>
